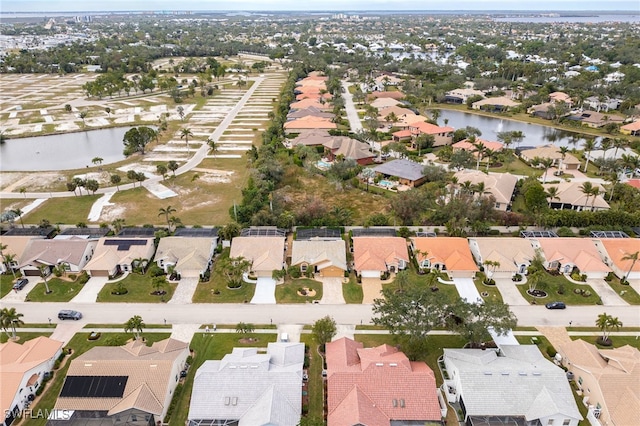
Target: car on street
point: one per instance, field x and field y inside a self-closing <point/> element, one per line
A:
<point x="66" y="314"/>
<point x="19" y="285"/>
<point x="555" y="305"/>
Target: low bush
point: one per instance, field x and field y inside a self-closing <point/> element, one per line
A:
<point x="551" y="351"/>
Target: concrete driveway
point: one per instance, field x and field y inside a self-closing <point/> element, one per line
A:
<point x="89" y="292"/>
<point x="510" y="293"/>
<point x="265" y="291"/>
<point x="371" y="289"/>
<point x="607" y="294"/>
<point x="185" y="290"/>
<point x="467" y="290"/>
<point x="331" y="291"/>
<point x="19" y="296"/>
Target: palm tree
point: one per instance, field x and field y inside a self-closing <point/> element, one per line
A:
<point x="97" y="160"/>
<point x="617" y="144"/>
<point x="212" y="145"/>
<point x="174" y="222"/>
<point x="9" y="318"/>
<point x="117" y="225"/>
<point x="545" y="163"/>
<point x="19" y="213"/>
<point x="139" y="262"/>
<point x="44" y="272"/>
<point x="173" y="166"/>
<point x="116" y="179"/>
<point x="83" y="115"/>
<point x="589" y="145"/>
<point x="633" y="257"/>
<point x="135" y="324"/>
<point x="563" y="152"/>
<point x="552" y="194"/>
<point x="490" y="154"/>
<point x="587" y="189"/>
<point x="605" y="144"/>
<point x="23" y="191"/>
<point x="166" y="212"/>
<point x="9" y="258"/>
<point x="435" y="115"/>
<point x="185" y="133"/>
<point x="605" y="323"/>
<point x="478" y="149"/>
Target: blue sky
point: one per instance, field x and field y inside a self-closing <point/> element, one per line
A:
<point x="101" y="5"/>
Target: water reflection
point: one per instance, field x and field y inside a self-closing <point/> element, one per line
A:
<point x="62" y="152"/>
<point x="534" y="134"/>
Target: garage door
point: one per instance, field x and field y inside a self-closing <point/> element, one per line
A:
<point x="99" y="273"/>
<point x="370" y="274"/>
<point x="31" y="273"/>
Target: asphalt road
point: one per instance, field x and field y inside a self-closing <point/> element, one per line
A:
<point x="350" y="108"/>
<point x="118" y="313"/>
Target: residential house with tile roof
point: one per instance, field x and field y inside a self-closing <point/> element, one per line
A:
<point x="466" y="145"/>
<point x="500" y="185"/>
<point x="22" y="369"/>
<point x="513" y="254"/>
<point x="551" y="152"/>
<point x="499" y="104"/>
<point x="311" y="137"/>
<point x="379" y="387"/>
<point x="632" y="129"/>
<point x="374" y="256"/>
<point x="299" y="113"/>
<point x="308" y="122"/>
<point x="565" y="253"/>
<point x="609" y="380"/>
<point x="266" y="253"/>
<point x="114" y="255"/>
<point x="446" y="254"/>
<point x="614" y="250"/>
<point x="349" y="149"/>
<point x="569" y="196"/>
<point x="188" y="256"/>
<point x="15" y="246"/>
<point x="326" y="258"/>
<point x="72" y="254"/>
<point x="407" y="172"/>
<point x="441" y="135"/>
<point x="130" y="384"/>
<point x="460" y="96"/>
<point x="247" y="387"/>
<point x="512" y="385"/>
<point x="308" y="103"/>
<point x="381" y="103"/>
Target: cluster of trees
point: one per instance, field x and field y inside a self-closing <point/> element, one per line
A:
<point x="10" y="319"/>
<point x="79" y="183"/>
<point x="137" y="138"/>
<point x="416" y="310"/>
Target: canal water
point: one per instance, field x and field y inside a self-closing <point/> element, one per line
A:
<point x="62" y="151"/>
<point x="534" y="134"/>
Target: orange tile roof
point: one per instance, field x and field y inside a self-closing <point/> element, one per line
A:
<point x="307" y="103"/>
<point x="582" y="252"/>
<point x="617" y="248"/>
<point x="375" y="253"/>
<point x="632" y="126"/>
<point x="428" y="128"/>
<point x="634" y="182"/>
<point x="373" y="386"/>
<point x="453" y="252"/>
<point x="310" y="122"/>
<point x="468" y="146"/>
<point x="402" y="133"/>
<point x="394" y="95"/>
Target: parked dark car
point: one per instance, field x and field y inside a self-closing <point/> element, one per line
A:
<point x="67" y="314"/>
<point x="555" y="305"/>
<point x="19" y="285"/>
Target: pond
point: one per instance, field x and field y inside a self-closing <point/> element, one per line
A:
<point x="534" y="134"/>
<point x="62" y="151"/>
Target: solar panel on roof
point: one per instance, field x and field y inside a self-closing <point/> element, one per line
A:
<point x="608" y="234"/>
<point x="135" y="231"/>
<point x="196" y="232"/>
<point x="374" y="232"/>
<point x="94" y="386"/>
<point x="426" y="234"/>
<point x="308" y="233"/>
<point x="123" y="244"/>
<point x="538" y="234"/>
<point x="94" y="232"/>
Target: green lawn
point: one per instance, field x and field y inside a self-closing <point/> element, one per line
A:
<point x="494" y="293"/>
<point x="625" y="291"/>
<point x="79" y="344"/>
<point x="449" y="290"/>
<point x="288" y="292"/>
<point x="61" y="291"/>
<point x="6" y="283"/>
<point x="352" y="291"/>
<point x="315" y="389"/>
<point x="617" y="341"/>
<point x="206" y="347"/>
<point x="25" y="335"/>
<point x="205" y="293"/>
<point x="69" y="210"/>
<point x="139" y="290"/>
<point x="552" y="283"/>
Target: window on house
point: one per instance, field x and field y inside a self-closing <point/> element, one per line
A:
<point x="303" y="268"/>
<point x="580" y="380"/>
<point x="134" y="418"/>
<point x="566" y="422"/>
<point x="550" y="422"/>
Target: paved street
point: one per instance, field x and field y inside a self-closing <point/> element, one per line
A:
<point x="119" y="313"/>
<point x="350" y="108"/>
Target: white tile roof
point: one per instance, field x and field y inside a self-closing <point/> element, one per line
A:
<point x="256" y="389"/>
<point x="520" y="383"/>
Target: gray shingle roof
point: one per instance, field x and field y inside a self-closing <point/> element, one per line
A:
<point x="404" y="169"/>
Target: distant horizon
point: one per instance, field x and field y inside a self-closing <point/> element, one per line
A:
<point x="352" y="6"/>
